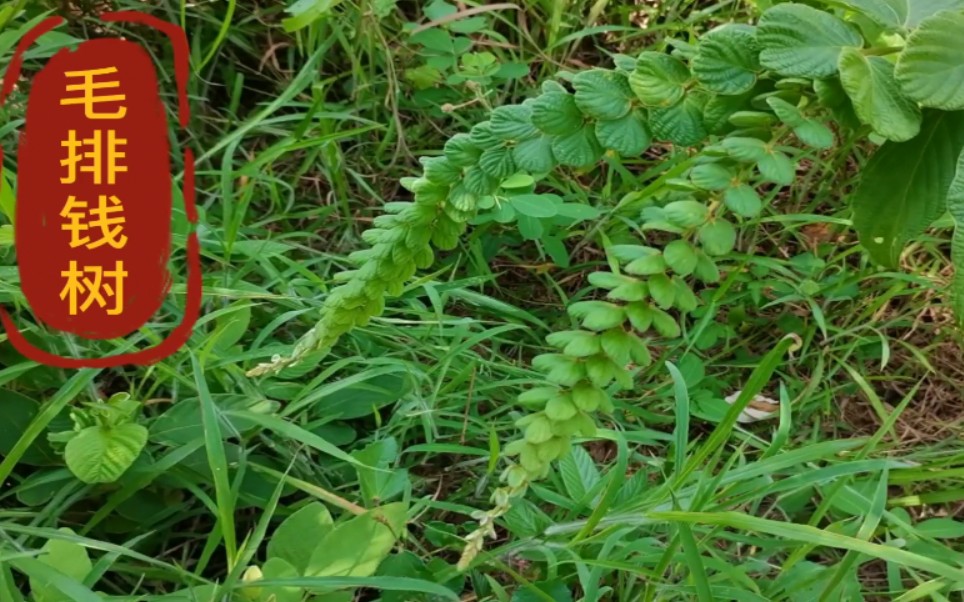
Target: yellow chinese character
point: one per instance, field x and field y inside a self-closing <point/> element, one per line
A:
<point x="82" y="219"/>
<point x="89" y="88"/>
<point x="93" y="159"/>
<point x="94" y="283"/>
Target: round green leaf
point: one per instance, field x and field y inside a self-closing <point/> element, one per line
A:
<point x="577" y="148"/>
<point x="556" y="113"/>
<point x="602" y="94"/>
<point x="659" y="79"/>
<point x="801" y="41"/>
<point x="930" y="69"/>
<point x="101" y="455"/>
<point x="534" y="155"/>
<point x="681" y="124"/>
<point x="686" y="214"/>
<point x="727" y="59"/>
<point x="743" y="200"/>
<point x="717" y="237"/>
<point x="876" y="97"/>
<point x="629" y="136"/>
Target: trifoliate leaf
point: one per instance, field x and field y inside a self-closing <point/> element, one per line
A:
<point x="876" y="97"/>
<point x="743" y="200"/>
<point x="659" y="79"/>
<point x="727" y="60"/>
<point x="717" y="237"/>
<point x="682" y="123"/>
<point x="629" y="136"/>
<point x="800" y="41"/>
<point x="556" y="113"/>
<point x="711" y="176"/>
<point x="579" y="148"/>
<point x="903" y="188"/>
<point x="534" y="155"/>
<point x="602" y="94"/>
<point x="680" y="256"/>
<point x="513" y="122"/>
<point x="930" y="70"/>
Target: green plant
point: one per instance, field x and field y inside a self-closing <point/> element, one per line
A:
<point x="740" y="98"/>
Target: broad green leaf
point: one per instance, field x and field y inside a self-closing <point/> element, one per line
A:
<point x="276" y="568"/>
<point x="579" y="473"/>
<point x="296" y="537"/>
<point x="719" y="109"/>
<point x="930" y="70"/>
<point x="534" y="155"/>
<point x="602" y="94"/>
<point x="578" y="148"/>
<point x="682" y="123"/>
<point x="904" y="186"/>
<point x="629" y="136"/>
<point x="800" y="41"/>
<point x="101" y="455"/>
<point x="727" y="59"/>
<point x="898" y="14"/>
<point x="556" y="113"/>
<point x="955" y="204"/>
<point x="68" y="558"/>
<point x="659" y="79"/>
<point x="876" y="97"/>
<point x="356" y="547"/>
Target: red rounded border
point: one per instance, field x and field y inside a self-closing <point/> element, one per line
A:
<point x="192" y="308"/>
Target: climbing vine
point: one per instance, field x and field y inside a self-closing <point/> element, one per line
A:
<point x="747" y="101"/>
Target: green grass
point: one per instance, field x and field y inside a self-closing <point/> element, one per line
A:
<point x="850" y="493"/>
